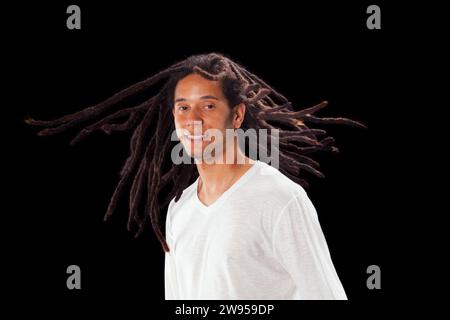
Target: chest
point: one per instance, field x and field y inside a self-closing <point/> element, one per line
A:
<point x="230" y="235"/>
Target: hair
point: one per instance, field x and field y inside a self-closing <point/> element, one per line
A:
<point x="149" y="168"/>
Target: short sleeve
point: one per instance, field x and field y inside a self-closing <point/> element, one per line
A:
<point x="300" y="246"/>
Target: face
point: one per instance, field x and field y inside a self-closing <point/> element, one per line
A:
<point x="201" y="108"/>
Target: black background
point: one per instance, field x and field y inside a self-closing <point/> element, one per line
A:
<point x="60" y="193"/>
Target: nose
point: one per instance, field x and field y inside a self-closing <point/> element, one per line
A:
<point x="194" y="119"/>
<point x="194" y="126"/>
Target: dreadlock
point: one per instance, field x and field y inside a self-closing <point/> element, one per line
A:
<point x="149" y="167"/>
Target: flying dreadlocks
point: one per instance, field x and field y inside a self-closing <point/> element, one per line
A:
<point x="149" y="165"/>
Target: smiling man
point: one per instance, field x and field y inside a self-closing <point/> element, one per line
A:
<point x="241" y="230"/>
<point x="236" y="227"/>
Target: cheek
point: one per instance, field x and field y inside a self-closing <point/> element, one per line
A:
<point x="176" y="121"/>
<point x="222" y="119"/>
<point x="178" y="128"/>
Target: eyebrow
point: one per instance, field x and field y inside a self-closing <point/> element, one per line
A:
<point x="202" y="97"/>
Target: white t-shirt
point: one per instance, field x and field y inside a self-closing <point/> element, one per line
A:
<point x="261" y="239"/>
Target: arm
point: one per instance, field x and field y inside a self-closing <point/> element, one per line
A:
<point x="300" y="246"/>
<point x="168" y="278"/>
<point x="169" y="268"/>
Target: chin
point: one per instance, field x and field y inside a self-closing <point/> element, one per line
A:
<point x="194" y="152"/>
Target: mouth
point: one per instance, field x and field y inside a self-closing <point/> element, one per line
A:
<point x="195" y="137"/>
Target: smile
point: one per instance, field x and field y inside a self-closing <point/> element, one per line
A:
<point x="194" y="137"/>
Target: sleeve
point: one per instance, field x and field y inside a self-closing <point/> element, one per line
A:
<point x="169" y="264"/>
<point x="301" y="248"/>
<point x="168" y="279"/>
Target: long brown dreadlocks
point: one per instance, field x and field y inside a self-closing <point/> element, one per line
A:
<point x="149" y="165"/>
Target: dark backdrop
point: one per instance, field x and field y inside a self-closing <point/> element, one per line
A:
<point x="60" y="193"/>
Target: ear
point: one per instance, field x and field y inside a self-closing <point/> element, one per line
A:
<point x="238" y="115"/>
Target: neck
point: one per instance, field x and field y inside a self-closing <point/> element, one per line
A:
<point x="218" y="177"/>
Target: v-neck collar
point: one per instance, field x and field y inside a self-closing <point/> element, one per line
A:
<point x="227" y="193"/>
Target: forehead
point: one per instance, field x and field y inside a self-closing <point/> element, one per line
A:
<point x="195" y="86"/>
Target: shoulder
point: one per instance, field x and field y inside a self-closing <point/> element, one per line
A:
<point x="274" y="197"/>
<point x="273" y="187"/>
<point x="185" y="196"/>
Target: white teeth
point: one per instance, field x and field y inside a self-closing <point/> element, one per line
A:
<point x="196" y="137"/>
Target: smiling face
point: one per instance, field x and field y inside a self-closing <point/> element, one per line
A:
<point x="200" y="107"/>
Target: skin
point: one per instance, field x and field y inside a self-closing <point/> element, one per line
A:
<point x="200" y="105"/>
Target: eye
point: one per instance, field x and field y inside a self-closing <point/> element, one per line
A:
<point x="209" y="106"/>
<point x="182" y="108"/>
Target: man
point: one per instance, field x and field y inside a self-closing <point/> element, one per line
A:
<point x="234" y="229"/>
<point x="238" y="232"/>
